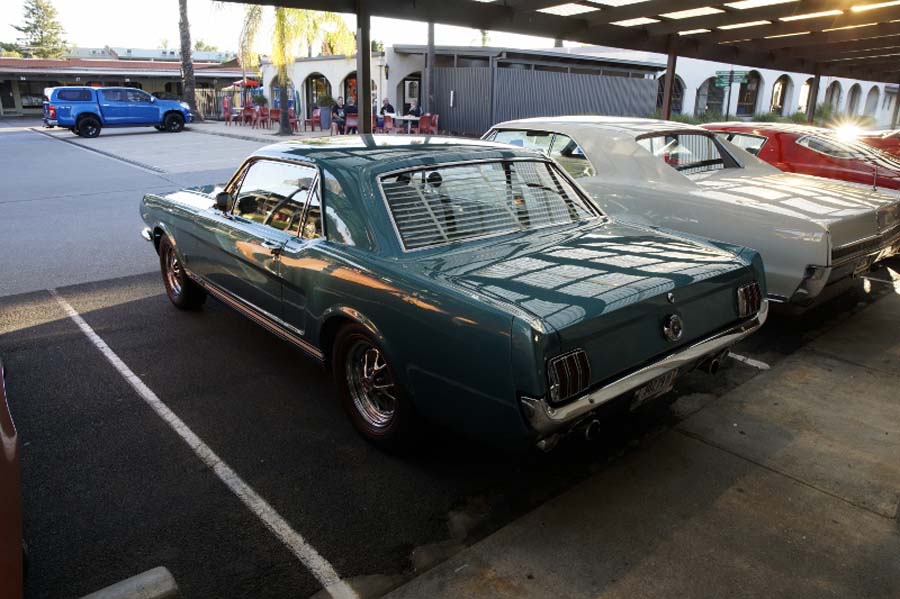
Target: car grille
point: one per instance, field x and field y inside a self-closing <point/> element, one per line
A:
<point x="569" y="375"/>
<point x="749" y="299"/>
<point x="867" y="246"/>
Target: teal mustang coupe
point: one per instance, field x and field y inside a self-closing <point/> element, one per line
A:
<point x="470" y="283"/>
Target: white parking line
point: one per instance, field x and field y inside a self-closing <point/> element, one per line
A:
<point x="750" y="361"/>
<point x="320" y="568"/>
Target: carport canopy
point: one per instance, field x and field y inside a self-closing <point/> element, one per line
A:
<point x="857" y="39"/>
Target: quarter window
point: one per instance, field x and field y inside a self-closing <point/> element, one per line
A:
<point x="751" y="143"/>
<point x="827" y="147"/>
<point x="138" y="96"/>
<point x="570" y="156"/>
<point x="275" y="194"/>
<point x="691" y="154"/>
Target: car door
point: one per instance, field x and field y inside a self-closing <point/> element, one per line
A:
<point x="113" y="106"/>
<point x="141" y="109"/>
<point x="240" y="252"/>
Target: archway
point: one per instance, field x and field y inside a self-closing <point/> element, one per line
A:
<point x="315" y="87"/>
<point x="748" y="94"/>
<point x="781" y="94"/>
<point x="409" y="88"/>
<point x="854" y="98"/>
<point x="833" y="95"/>
<point x="804" y="98"/>
<point x="677" y="94"/>
<point x="872" y="101"/>
<point x="710" y="99"/>
<point x="275" y="93"/>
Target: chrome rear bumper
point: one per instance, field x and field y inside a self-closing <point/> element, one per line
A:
<point x="547" y="419"/>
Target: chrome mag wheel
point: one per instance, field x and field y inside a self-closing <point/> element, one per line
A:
<point x="371" y="385"/>
<point x="174" y="272"/>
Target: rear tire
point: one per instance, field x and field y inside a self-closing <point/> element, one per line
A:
<point x="377" y="405"/>
<point x="88" y="127"/>
<point x="174" y="123"/>
<point x="181" y="289"/>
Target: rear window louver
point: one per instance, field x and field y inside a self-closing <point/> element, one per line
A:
<point x="455" y="203"/>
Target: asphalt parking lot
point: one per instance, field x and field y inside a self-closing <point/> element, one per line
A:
<point x="111" y="490"/>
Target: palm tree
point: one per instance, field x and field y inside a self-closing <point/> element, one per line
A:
<point x="292" y="27"/>
<point x="187" y="61"/>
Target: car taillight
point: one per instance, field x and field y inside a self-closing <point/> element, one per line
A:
<point x="51" y="110"/>
<point x="749" y="299"/>
<point x="569" y="375"/>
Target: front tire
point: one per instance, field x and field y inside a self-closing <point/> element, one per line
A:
<point x="88" y="127"/>
<point x="377" y="405"/>
<point x="174" y="123"/>
<point x="183" y="292"/>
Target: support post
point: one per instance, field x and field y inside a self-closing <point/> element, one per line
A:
<point x="669" y="81"/>
<point x="895" y="118"/>
<point x="813" y="97"/>
<point x="363" y="67"/>
<point x="429" y="72"/>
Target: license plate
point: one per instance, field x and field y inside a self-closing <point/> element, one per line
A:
<point x="658" y="386"/>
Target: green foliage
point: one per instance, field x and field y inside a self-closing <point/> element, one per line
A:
<point x="768" y="117"/>
<point x="9" y="50"/>
<point x="42" y="34"/>
<point x="202" y="46"/>
<point x="377" y="46"/>
<point x="326" y="101"/>
<point x="260" y="100"/>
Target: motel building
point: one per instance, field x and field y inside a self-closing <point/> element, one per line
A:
<point x="22" y="80"/>
<point x="476" y="87"/>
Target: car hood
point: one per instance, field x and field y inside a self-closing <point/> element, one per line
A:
<point x="565" y="277"/>
<point x="849" y="211"/>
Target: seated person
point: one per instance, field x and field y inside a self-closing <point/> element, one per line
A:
<point x="338" y="116"/>
<point x="414" y="109"/>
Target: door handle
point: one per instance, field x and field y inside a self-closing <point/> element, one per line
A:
<point x="273" y="246"/>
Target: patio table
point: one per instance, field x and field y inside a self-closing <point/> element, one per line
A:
<point x="408" y="119"/>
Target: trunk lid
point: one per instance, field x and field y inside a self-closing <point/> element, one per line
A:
<point x="604" y="288"/>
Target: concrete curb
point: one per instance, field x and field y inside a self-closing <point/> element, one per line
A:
<point x="157" y="583"/>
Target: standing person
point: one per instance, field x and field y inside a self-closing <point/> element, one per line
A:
<point x="414" y="109"/>
<point x="338" y="116"/>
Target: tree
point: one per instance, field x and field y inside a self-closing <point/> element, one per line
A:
<point x="187" y="61"/>
<point x="293" y="27"/>
<point x="42" y="34"/>
<point x="485" y="37"/>
<point x="9" y="50"/>
<point x="202" y="46"/>
<point x="377" y="46"/>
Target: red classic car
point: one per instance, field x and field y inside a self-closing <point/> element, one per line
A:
<point x="813" y="151"/>
<point x="886" y="141"/>
<point x="10" y="503"/>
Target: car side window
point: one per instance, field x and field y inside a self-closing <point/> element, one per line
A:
<point x="275" y="194"/>
<point x="532" y="140"/>
<point x="825" y="146"/>
<point x="751" y="143"/>
<point x="571" y="157"/>
<point x="135" y="95"/>
<point x="115" y="95"/>
<point x="691" y="154"/>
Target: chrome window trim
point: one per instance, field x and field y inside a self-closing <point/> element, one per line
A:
<point x="583" y="195"/>
<point x="726" y="155"/>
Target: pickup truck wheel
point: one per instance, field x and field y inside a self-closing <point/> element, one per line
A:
<point x="182" y="291"/>
<point x="88" y="127"/>
<point x="174" y="123"/>
<point x="375" y="402"/>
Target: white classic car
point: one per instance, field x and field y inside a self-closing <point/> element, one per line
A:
<point x="811" y="232"/>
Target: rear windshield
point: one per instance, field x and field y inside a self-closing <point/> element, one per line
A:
<point x="691" y="154"/>
<point x="454" y="203"/>
<point x="74" y="95"/>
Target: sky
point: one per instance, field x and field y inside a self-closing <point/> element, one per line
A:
<point x="152" y="24"/>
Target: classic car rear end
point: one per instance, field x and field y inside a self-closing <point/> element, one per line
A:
<point x="462" y="281"/>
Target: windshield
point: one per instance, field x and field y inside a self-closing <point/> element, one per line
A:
<point x="456" y="203"/>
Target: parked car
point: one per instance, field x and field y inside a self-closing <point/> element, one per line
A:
<point x="813" y="151"/>
<point x="811" y="232"/>
<point x="86" y="110"/>
<point x="11" y="554"/>
<point x="470" y="283"/>
<point x="886" y="141"/>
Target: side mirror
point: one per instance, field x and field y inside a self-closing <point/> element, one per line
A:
<point x="223" y="201"/>
<point x="152" y="99"/>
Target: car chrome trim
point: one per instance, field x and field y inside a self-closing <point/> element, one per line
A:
<point x="147" y="234"/>
<point x="546" y="419"/>
<point x="260" y="316"/>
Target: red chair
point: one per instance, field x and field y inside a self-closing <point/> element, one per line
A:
<point x="226" y="114"/>
<point x="275" y="116"/>
<point x="315" y="120"/>
<point x="293" y="121"/>
<point x="247" y="115"/>
<point x="434" y="124"/>
<point x="262" y="118"/>
<point x="423" y="127"/>
<point x="388" y="125"/>
<point x="352" y="123"/>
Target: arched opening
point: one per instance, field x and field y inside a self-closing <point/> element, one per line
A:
<point x="275" y="93"/>
<point x="710" y="99"/>
<point x="315" y="87"/>
<point x="409" y="89"/>
<point x="833" y="95"/>
<point x="804" y="98"/>
<point x="781" y="93"/>
<point x="872" y="101"/>
<point x="853" y="100"/>
<point x="349" y="89"/>
<point x="748" y="94"/>
<point x="677" y="94"/>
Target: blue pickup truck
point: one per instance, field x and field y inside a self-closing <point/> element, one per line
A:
<point x="86" y="110"/>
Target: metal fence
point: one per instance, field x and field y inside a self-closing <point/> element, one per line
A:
<point x="210" y="103"/>
<point x="471" y="99"/>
